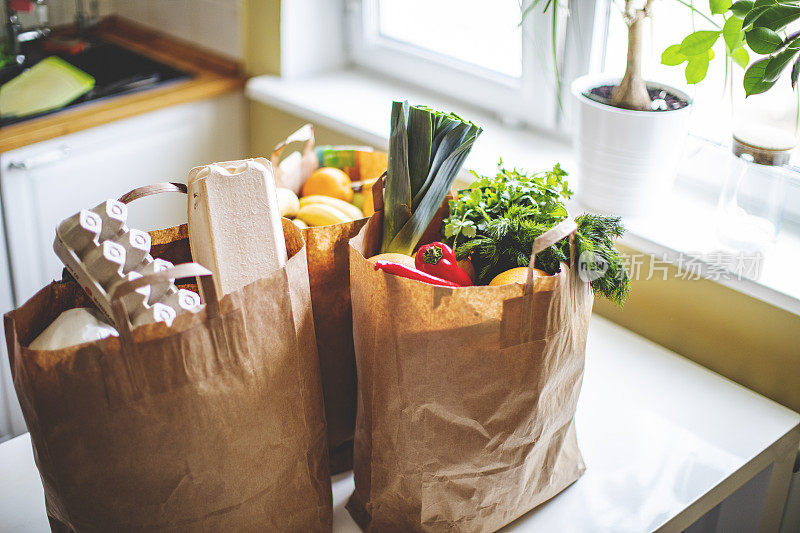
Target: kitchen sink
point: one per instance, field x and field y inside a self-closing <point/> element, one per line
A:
<point x="115" y="69"/>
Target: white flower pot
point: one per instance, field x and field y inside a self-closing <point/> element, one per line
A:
<point x="626" y="159"/>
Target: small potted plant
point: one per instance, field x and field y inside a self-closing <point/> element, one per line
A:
<point x="630" y="131"/>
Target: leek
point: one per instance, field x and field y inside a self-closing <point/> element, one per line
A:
<point x="426" y="151"/>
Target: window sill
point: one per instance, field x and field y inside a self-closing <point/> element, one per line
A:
<point x="358" y="104"/>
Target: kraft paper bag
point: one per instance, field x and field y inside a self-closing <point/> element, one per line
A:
<point x="466" y="397"/>
<point x="213" y="424"/>
<point x="329" y="274"/>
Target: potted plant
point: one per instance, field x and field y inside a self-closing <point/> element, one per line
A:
<point x="630" y="131"/>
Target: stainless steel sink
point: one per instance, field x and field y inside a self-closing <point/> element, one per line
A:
<point x="116" y="71"/>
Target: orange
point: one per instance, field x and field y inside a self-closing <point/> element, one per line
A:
<point x="329" y="181"/>
<point x="403" y="259"/>
<point x="516" y="275"/>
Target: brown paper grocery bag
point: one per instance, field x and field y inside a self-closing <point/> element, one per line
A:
<point x="213" y="424"/>
<point x="466" y="397"/>
<point x="329" y="274"/>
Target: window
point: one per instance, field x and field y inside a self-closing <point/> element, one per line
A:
<point x="480" y="52"/>
<point x="499" y="22"/>
<point x="476" y="51"/>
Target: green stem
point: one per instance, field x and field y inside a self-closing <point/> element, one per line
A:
<point x="699" y="13"/>
<point x="555" y="55"/>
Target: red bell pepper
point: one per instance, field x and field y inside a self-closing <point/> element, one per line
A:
<point x="412" y="273"/>
<point x="438" y="259"/>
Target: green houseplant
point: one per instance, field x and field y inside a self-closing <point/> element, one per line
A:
<point x="760" y="26"/>
<point x="630" y="131"/>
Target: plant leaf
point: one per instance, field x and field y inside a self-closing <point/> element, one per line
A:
<point x="795" y="72"/>
<point x="763" y="40"/>
<point x="793" y="43"/>
<point x="397" y="195"/>
<point x="420" y="137"/>
<point x="732" y="33"/>
<point x="754" y="82"/>
<point x="776" y="17"/>
<point x="741" y="57"/>
<point x="407" y="237"/>
<point x="741" y="8"/>
<point x="753" y="15"/>
<point x="698" y="42"/>
<point x="451" y="140"/>
<point x="719" y="7"/>
<point x="777" y="63"/>
<point x="412" y="201"/>
<point x="696" y="68"/>
<point x="672" y="56"/>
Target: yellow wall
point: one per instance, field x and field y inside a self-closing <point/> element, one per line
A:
<point x="744" y="339"/>
<point x="748" y="341"/>
<point x="269" y="126"/>
<point x="261" y="36"/>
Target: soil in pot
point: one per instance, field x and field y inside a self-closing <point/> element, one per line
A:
<point x="662" y="100"/>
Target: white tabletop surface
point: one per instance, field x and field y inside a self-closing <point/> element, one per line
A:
<point x="657" y="431"/>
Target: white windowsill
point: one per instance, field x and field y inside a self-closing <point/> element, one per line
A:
<point x="358" y="104"/>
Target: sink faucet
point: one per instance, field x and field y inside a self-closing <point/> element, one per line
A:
<point x="86" y="21"/>
<point x="16" y="34"/>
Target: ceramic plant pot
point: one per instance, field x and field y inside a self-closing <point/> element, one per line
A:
<point x="626" y="159"/>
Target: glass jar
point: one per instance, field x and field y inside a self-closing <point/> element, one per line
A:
<point x="753" y="196"/>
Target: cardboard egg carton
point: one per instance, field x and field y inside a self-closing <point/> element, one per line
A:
<point x="101" y="252"/>
<point x="234" y="222"/>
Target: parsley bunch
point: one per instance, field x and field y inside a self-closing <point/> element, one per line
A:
<point x="496" y="220"/>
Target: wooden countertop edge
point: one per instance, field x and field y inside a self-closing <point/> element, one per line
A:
<point x="213" y="76"/>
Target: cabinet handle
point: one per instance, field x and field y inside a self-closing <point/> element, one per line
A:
<point x="44" y="158"/>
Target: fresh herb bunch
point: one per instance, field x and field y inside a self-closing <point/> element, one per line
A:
<point x="496" y="220"/>
<point x="426" y="151"/>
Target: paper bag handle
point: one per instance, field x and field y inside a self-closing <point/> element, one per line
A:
<point x="377" y="192"/>
<point x="566" y="228"/>
<point x="304" y="134"/>
<point x="179" y="271"/>
<point x="149" y="190"/>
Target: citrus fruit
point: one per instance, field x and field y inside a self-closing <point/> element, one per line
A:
<point x="403" y="259"/>
<point x="329" y="181"/>
<point x="516" y="275"/>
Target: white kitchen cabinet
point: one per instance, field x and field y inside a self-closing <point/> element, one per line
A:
<point x="44" y="183"/>
<point x="48" y="181"/>
<point x="11" y="422"/>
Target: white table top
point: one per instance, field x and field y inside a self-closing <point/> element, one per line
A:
<point x="657" y="431"/>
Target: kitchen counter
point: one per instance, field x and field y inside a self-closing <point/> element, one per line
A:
<point x="667" y="444"/>
<point x="212" y="76"/>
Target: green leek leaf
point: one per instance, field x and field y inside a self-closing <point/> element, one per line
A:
<point x="397" y="193"/>
<point x="420" y="137"/>
<point x="427" y="149"/>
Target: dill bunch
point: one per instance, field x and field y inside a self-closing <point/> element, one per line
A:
<point x="496" y="220"/>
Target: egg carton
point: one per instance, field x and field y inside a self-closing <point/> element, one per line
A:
<point x="101" y="252"/>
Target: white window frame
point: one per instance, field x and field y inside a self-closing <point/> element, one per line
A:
<point x="528" y="100"/>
